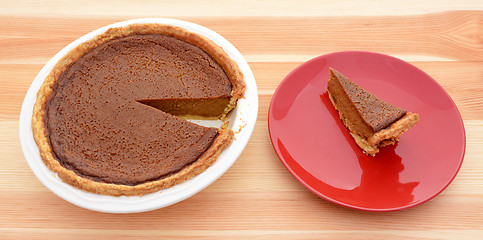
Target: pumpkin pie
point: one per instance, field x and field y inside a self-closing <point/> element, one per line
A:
<point x="372" y="122"/>
<point x="110" y="118"/>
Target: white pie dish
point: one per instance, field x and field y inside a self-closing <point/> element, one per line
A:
<point x="242" y="121"/>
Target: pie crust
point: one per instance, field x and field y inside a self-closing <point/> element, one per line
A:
<point x="223" y="140"/>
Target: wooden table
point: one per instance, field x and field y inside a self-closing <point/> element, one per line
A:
<point x="257" y="197"/>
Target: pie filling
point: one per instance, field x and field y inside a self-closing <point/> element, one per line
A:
<point x="99" y="178"/>
<point x="98" y="128"/>
<point x="372" y="122"/>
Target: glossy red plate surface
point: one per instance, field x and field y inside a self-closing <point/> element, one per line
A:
<point x="316" y="148"/>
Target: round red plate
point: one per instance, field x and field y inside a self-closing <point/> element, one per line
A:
<point x="316" y="148"/>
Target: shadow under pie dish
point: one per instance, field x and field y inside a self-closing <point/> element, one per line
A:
<point x="109" y="117"/>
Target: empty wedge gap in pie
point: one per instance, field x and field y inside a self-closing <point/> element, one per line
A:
<point x="95" y="121"/>
<point x="191" y="108"/>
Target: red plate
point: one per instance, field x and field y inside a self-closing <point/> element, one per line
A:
<point x="319" y="152"/>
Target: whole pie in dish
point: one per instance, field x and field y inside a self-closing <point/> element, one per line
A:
<point x="372" y="122"/>
<point x="110" y="116"/>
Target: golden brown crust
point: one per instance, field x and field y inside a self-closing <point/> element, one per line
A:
<point x="364" y="144"/>
<point x="395" y="130"/>
<point x="387" y="136"/>
<point x="383" y="137"/>
<point x="224" y="138"/>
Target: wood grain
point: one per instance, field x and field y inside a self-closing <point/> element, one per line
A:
<point x="452" y="35"/>
<point x="257" y="198"/>
<point x="224" y="8"/>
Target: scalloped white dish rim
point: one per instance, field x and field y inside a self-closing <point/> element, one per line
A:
<point x="241" y="120"/>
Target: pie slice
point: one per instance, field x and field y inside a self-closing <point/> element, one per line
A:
<point x="109" y="117"/>
<point x="371" y="121"/>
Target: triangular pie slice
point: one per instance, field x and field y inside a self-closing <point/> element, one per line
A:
<point x="107" y="118"/>
<point x="371" y="121"/>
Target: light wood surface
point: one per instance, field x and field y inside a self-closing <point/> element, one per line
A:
<point x="257" y="197"/>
